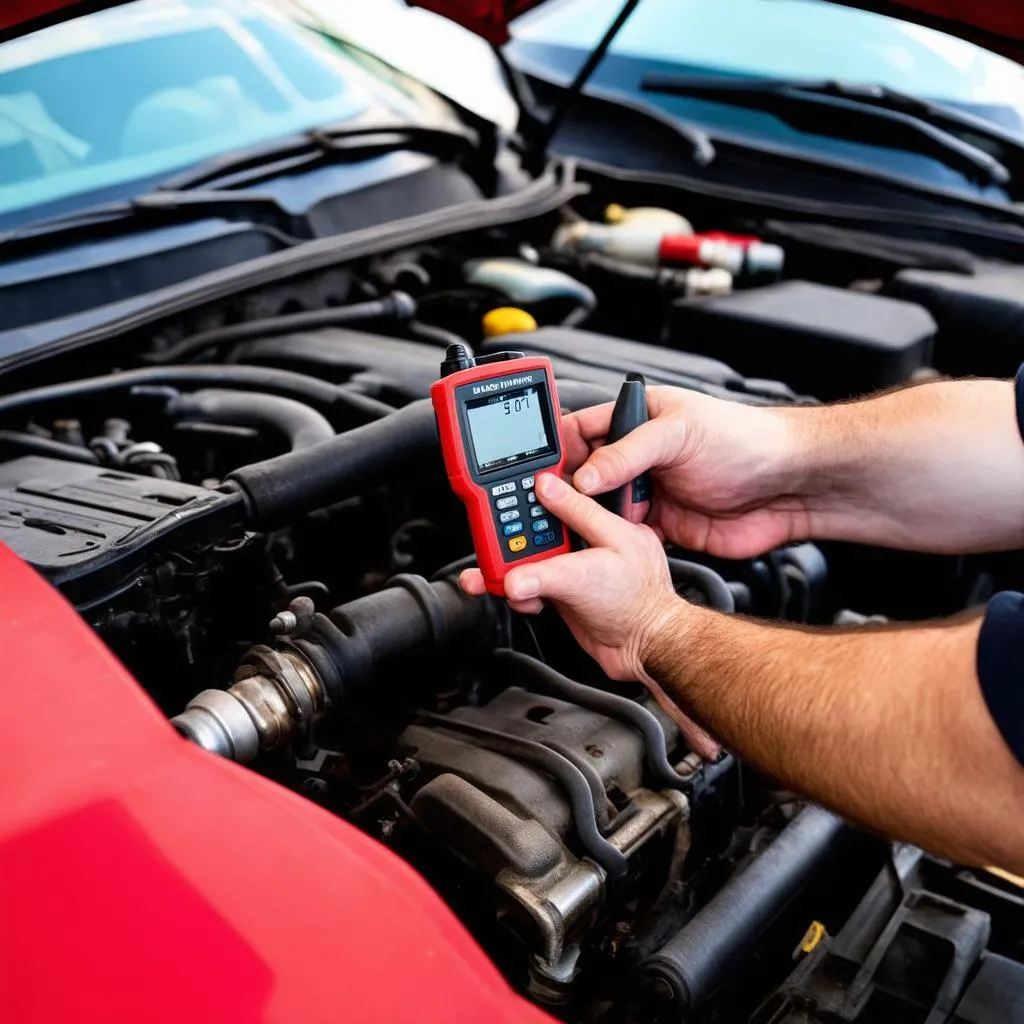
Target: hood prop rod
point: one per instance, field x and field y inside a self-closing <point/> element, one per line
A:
<point x="590" y="65"/>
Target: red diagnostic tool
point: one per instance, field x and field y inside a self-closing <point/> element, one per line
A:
<point x="500" y="425"/>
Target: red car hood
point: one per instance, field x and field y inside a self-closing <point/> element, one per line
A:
<point x="995" y="24"/>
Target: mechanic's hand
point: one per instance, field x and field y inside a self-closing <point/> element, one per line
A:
<point x="725" y="479"/>
<point x="614" y="596"/>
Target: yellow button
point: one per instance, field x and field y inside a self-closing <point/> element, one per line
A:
<point x="507" y="320"/>
<point x="517" y="543"/>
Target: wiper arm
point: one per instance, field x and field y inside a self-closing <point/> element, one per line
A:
<point x="337" y="144"/>
<point x="152" y="210"/>
<point x="848" y="113"/>
<point x="182" y="197"/>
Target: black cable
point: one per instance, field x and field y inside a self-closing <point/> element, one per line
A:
<point x="397" y="305"/>
<point x="622" y="709"/>
<point x="559" y="768"/>
<point x="710" y="583"/>
<point x="337" y="403"/>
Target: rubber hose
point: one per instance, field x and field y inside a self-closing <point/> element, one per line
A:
<point x="340" y="405"/>
<point x="397" y="305"/>
<point x="559" y="768"/>
<point x="29" y="444"/>
<point x="705" y="952"/>
<point x="278" y="489"/>
<point x="298" y="423"/>
<point x="298" y="482"/>
<point x="622" y="709"/>
<point x="707" y="581"/>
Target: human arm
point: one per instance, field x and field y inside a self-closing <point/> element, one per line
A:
<point x="938" y="467"/>
<point x="887" y="726"/>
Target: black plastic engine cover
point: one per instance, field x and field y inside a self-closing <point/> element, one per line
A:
<point x="71" y="521"/>
<point x="604" y="360"/>
<point x="828" y="342"/>
<point x="980" y="319"/>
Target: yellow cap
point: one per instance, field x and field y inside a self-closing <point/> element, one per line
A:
<point x="614" y="213"/>
<point x="815" y="933"/>
<point x="507" y="320"/>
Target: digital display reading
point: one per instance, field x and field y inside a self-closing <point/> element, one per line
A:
<point x="508" y="428"/>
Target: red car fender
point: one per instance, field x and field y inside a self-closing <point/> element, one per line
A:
<point x="142" y="879"/>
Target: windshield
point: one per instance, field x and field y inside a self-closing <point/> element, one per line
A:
<point x="133" y="94"/>
<point x="790" y="39"/>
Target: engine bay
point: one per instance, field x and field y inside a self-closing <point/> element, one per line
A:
<point x="247" y="504"/>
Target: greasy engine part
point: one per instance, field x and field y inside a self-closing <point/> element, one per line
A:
<point x="278" y="693"/>
<point x="521" y="791"/>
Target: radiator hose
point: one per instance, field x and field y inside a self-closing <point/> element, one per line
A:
<point x="705" y="952"/>
<point x="279" y="489"/>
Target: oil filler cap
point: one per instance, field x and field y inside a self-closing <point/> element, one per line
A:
<point x="507" y="320"/>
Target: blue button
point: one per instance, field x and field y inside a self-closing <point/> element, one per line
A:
<point x="540" y="524"/>
<point x="544" y="538"/>
<point x="512" y="528"/>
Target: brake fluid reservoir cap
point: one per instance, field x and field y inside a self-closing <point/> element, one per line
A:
<point x="507" y="320"/>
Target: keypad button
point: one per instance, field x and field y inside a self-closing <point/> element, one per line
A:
<point x="517" y="544"/>
<point x="508" y="517"/>
<point x="506" y="488"/>
<point x="539" y="525"/>
<point x="540" y="539"/>
<point x="527" y="483"/>
<point x="531" y="497"/>
<point x="509" y="502"/>
<point x="513" y="528"/>
<point x="537" y="510"/>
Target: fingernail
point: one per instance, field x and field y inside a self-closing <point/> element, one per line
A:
<point x="585" y="479"/>
<point x="550" y="486"/>
<point x="521" y="588"/>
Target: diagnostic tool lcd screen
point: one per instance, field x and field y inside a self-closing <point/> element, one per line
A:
<point x="508" y="428"/>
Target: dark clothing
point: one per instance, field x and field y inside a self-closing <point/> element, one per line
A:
<point x="1001" y="647"/>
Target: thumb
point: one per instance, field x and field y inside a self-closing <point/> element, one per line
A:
<point x="613" y="465"/>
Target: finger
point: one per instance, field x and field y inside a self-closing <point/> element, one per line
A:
<point x="562" y="578"/>
<point x="592" y="423"/>
<point x="531" y="607"/>
<point x="577" y="449"/>
<point x="648" y="446"/>
<point x="472" y="582"/>
<point x="593" y="523"/>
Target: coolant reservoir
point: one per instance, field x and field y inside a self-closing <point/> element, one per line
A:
<point x="667" y="222"/>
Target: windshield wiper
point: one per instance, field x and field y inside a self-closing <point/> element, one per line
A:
<point x="152" y="210"/>
<point x="183" y="198"/>
<point x="330" y="144"/>
<point x="865" y="114"/>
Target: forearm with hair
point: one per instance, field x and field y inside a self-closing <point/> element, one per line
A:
<point x="937" y="467"/>
<point x="886" y="725"/>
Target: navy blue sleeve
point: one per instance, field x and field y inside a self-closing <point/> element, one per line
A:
<point x="1001" y="646"/>
<point x="1019" y="385"/>
<point x="1001" y="667"/>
